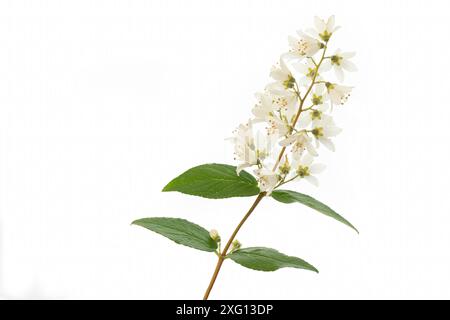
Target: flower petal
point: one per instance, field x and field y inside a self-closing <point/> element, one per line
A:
<point x="331" y="131"/>
<point x="349" y="66"/>
<point x="330" y="23"/>
<point x="288" y="141"/>
<point x="313" y="180"/>
<point x="348" y="55"/>
<point x="312" y="32"/>
<point x="317" y="168"/>
<point x="312" y="151"/>
<point x="327" y="143"/>
<point x="319" y="24"/>
<point x="339" y="73"/>
<point x="307" y="160"/>
<point x="323" y="107"/>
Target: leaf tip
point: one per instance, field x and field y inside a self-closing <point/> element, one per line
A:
<point x="136" y="222"/>
<point x="310" y="267"/>
<point x="354" y="228"/>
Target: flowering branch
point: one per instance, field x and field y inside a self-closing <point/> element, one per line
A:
<point x="282" y="151"/>
<point x="261" y="195"/>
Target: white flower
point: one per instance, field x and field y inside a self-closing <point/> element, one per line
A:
<point x="282" y="100"/>
<point x="313" y="115"/>
<point x="278" y="127"/>
<point x="248" y="150"/>
<point x="319" y="106"/>
<point x="323" y="30"/>
<point x="300" y="141"/>
<point x="283" y="75"/>
<point x="264" y="110"/>
<point x="303" y="46"/>
<point x="277" y="111"/>
<point x="307" y="70"/>
<point x="323" y="130"/>
<point x="306" y="169"/>
<point x="339" y="61"/>
<point x="338" y="93"/>
<point x="319" y="94"/>
<point x="267" y="179"/>
<point x="274" y="100"/>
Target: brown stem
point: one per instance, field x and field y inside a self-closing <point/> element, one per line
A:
<point x="230" y="241"/>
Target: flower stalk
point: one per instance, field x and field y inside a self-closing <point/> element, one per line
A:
<point x="222" y="255"/>
<point x="291" y="121"/>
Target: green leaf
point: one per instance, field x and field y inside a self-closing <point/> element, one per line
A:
<point x="288" y="196"/>
<point x="214" y="181"/>
<point x="267" y="259"/>
<point x="181" y="231"/>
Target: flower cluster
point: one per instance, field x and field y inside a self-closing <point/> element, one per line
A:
<point x="292" y="118"/>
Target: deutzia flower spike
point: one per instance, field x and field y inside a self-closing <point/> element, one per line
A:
<point x="291" y="125"/>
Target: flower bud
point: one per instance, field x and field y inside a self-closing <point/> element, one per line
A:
<point x="235" y="245"/>
<point x="214" y="234"/>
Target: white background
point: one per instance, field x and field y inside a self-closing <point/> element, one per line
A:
<point x="103" y="102"/>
